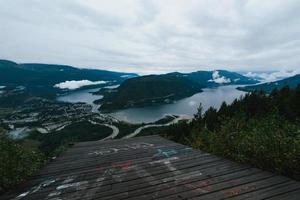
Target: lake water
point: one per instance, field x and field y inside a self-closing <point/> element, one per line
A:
<point x="187" y="106"/>
<point x="82" y="96"/>
<point x="209" y="98"/>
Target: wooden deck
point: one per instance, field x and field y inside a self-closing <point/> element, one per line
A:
<point x="150" y="168"/>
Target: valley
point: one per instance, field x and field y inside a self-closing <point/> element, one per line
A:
<point x="45" y="117"/>
<point x="120" y="104"/>
<point x="149" y="99"/>
<point x="166" y="88"/>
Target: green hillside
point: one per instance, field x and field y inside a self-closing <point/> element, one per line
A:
<point x="148" y="90"/>
<point x="39" y="79"/>
<point x="45" y="74"/>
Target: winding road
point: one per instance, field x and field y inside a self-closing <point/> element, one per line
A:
<point x="115" y="130"/>
<point x="138" y="131"/>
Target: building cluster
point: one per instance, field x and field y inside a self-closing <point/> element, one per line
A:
<point x="48" y="116"/>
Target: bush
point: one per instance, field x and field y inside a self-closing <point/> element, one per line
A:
<point x="268" y="143"/>
<point x="17" y="162"/>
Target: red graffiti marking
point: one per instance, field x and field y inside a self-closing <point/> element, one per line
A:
<point x="233" y="192"/>
<point x="205" y="185"/>
<point x="100" y="169"/>
<point x="123" y="165"/>
<point x="201" y="187"/>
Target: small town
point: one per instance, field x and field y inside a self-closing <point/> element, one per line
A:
<point x="47" y="116"/>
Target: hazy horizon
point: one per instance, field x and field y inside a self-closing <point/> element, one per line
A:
<point x="153" y="37"/>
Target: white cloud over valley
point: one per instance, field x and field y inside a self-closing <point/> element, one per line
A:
<point x="272" y="76"/>
<point x="72" y="85"/>
<point x="153" y="36"/>
<point x="217" y="78"/>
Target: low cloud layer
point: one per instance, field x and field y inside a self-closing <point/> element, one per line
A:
<point x="272" y="76"/>
<point x="153" y="36"/>
<point x="217" y="78"/>
<point x="72" y="85"/>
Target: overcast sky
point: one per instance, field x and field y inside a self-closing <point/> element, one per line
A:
<point x="153" y="36"/>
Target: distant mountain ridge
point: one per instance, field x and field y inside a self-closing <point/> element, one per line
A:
<point x="292" y="82"/>
<point x="52" y="74"/>
<point x="39" y="79"/>
<point x="216" y="78"/>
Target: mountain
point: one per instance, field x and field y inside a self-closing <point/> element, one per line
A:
<point x="292" y="82"/>
<point x="147" y="90"/>
<point x="45" y="74"/>
<point x="40" y="79"/>
<point x="165" y="88"/>
<point x="217" y="78"/>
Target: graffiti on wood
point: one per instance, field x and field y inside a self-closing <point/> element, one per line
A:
<point x="36" y="188"/>
<point x="114" y="150"/>
<point x="165" y="153"/>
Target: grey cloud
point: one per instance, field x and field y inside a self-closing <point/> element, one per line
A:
<point x="153" y="36"/>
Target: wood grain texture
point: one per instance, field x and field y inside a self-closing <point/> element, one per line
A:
<point x="150" y="168"/>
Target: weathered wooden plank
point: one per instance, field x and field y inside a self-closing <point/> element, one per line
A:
<point x="95" y="159"/>
<point x="293" y="195"/>
<point x="199" y="156"/>
<point x="245" y="188"/>
<point x="149" y="168"/>
<point x="78" y="153"/>
<point x="129" y="182"/>
<point x="182" y="157"/>
<point x="121" y="141"/>
<point x="203" y="185"/>
<point x="175" y="182"/>
<point x="265" y="191"/>
<point x="94" y="171"/>
<point x="195" y="191"/>
<point x="131" y="176"/>
<point x="113" y="189"/>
